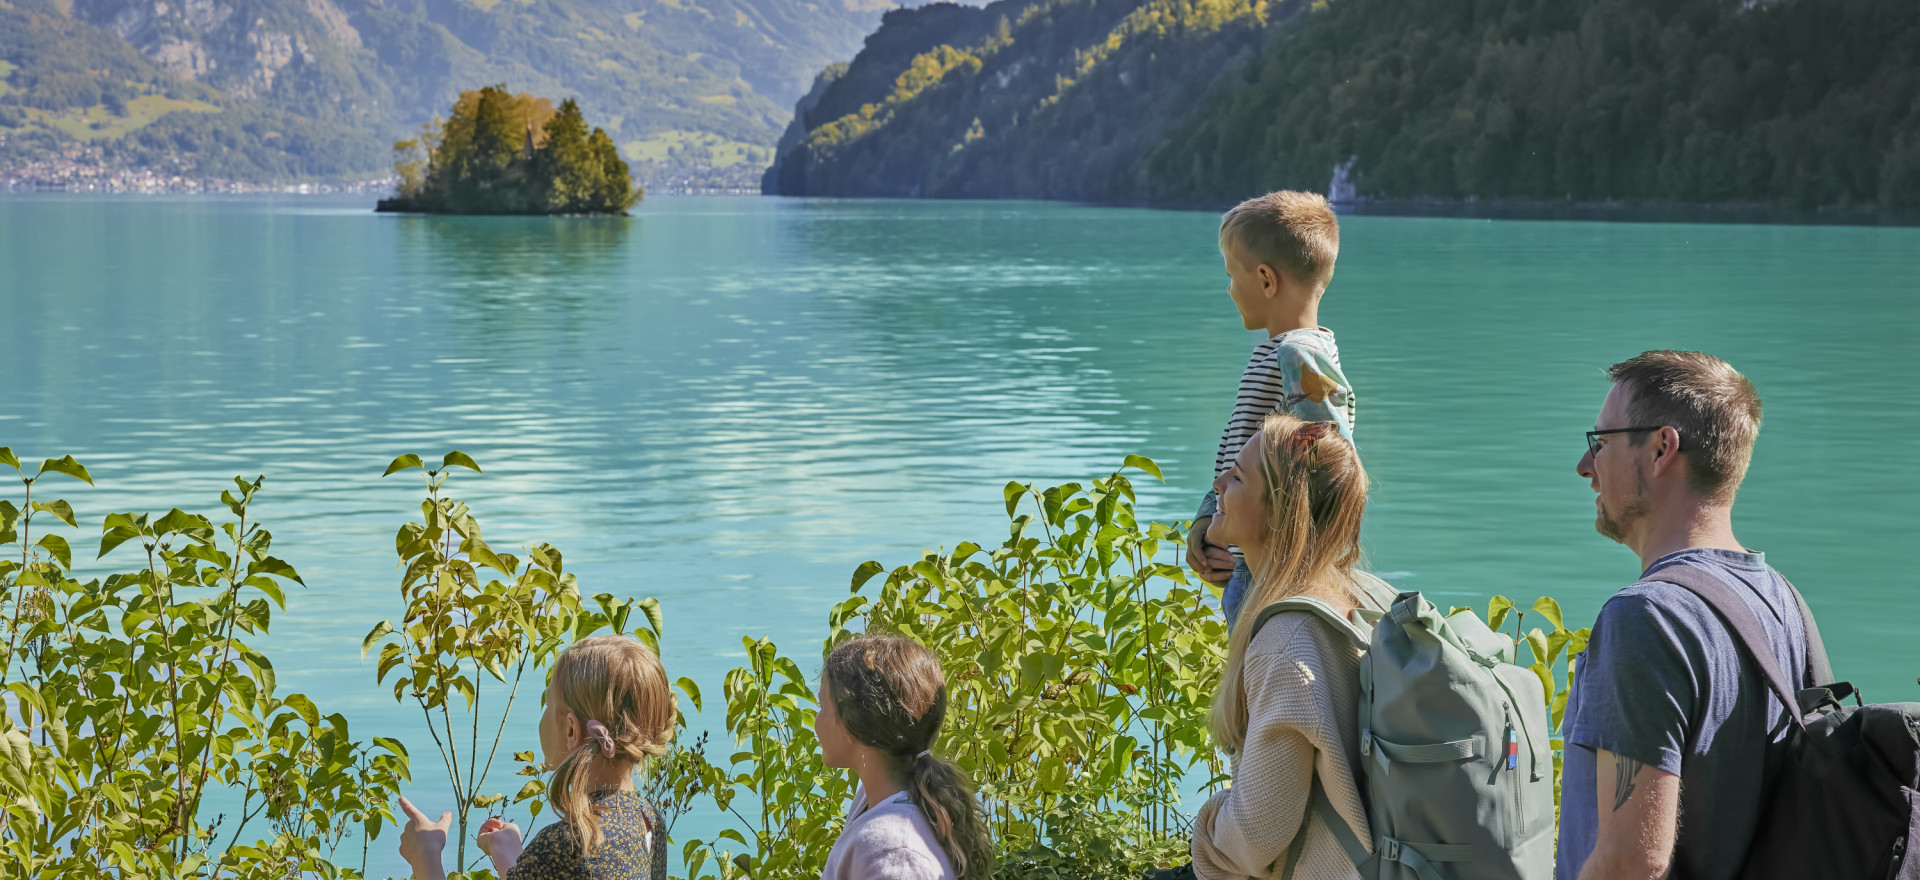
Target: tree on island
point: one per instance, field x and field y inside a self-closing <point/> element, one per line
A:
<point x="501" y="153"/>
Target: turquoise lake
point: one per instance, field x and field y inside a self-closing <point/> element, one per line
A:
<point x="730" y="403"/>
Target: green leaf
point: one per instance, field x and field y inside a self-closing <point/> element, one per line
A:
<point x="1052" y="775"/>
<point x="651" y="607"/>
<point x="270" y="587"/>
<point x="391" y="745"/>
<point x="16" y="759"/>
<point x="182" y="522"/>
<point x="1013" y="491"/>
<point x="961" y="551"/>
<point x="533" y="789"/>
<point x="1497" y="611"/>
<point x="379" y="632"/>
<point x="114" y="538"/>
<point x="691" y="689"/>
<point x="1546" y="607"/>
<point x="865" y="573"/>
<point x="57" y="547"/>
<point x="57" y="729"/>
<point x="61" y="510"/>
<point x="66" y="465"/>
<point x="404" y="462"/>
<point x="458" y="458"/>
<point x="307" y="711"/>
<point x="7" y="458"/>
<point x="1577" y="642"/>
<point x="1537" y="642"/>
<point x="1546" y="678"/>
<point x="479" y="553"/>
<point x="1146" y="464"/>
<point x="262" y="670"/>
<point x="275" y="567"/>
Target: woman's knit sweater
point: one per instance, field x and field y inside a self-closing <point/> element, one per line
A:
<point x="1302" y="681"/>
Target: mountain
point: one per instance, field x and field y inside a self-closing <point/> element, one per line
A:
<point x="1800" y="103"/>
<point x="322" y="87"/>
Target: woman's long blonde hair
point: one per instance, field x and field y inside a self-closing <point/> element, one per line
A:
<point x="618" y="682"/>
<point x="1315" y="493"/>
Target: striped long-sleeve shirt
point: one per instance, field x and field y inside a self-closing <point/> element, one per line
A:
<point x="1296" y="372"/>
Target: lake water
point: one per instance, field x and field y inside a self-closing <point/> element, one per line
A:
<point x="729" y="403"/>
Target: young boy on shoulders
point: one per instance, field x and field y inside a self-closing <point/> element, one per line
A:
<point x="1279" y="251"/>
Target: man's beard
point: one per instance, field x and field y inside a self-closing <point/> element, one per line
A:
<point x="1614" y="528"/>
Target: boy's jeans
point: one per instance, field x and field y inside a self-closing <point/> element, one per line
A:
<point x="1236" y="591"/>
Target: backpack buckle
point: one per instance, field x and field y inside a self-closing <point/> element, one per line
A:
<point x="1368" y="747"/>
<point x="1389" y="849"/>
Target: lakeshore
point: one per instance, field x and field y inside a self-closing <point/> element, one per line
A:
<point x="729" y="403"/>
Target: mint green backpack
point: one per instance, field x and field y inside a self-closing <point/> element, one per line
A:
<point x="1454" y="746"/>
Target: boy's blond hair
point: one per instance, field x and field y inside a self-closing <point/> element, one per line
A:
<point x="1294" y="232"/>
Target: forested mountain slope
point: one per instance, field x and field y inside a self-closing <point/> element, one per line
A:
<point x="367" y="71"/>
<point x="1788" y="102"/>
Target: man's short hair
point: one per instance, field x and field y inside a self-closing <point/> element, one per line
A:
<point x="1294" y="232"/>
<point x="1714" y="408"/>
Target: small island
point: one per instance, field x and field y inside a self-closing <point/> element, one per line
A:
<point x="502" y="153"/>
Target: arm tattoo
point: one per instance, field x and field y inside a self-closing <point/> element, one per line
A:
<point x="1624" y="770"/>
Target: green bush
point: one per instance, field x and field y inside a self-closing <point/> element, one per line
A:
<point x="1081" y="663"/>
<point x="130" y="697"/>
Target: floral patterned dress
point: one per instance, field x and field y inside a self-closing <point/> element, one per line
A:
<point x="632" y="849"/>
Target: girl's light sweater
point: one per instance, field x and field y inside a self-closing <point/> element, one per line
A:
<point x="1303" y="684"/>
<point x="889" y="841"/>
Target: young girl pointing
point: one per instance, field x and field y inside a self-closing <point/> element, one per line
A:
<point x="608" y="711"/>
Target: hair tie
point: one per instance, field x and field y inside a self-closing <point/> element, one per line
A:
<point x="599" y="733"/>
<point x="927" y="753"/>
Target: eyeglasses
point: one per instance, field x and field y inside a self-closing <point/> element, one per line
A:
<point x="1593" y="441"/>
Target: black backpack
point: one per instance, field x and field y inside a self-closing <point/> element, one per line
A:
<point x="1846" y="805"/>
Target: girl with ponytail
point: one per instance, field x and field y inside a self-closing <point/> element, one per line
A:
<point x="913" y="817"/>
<point x="608" y="711"/>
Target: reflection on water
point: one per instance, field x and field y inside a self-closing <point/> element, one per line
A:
<point x="731" y="403"/>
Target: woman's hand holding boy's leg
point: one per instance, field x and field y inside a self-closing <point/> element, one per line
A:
<point x="422" y="841"/>
<point x="501" y="842"/>
<point x="1211" y="561"/>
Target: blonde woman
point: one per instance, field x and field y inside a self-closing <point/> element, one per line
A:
<point x="1287" y="709"/>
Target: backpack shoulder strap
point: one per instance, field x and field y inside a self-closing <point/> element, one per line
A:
<point x="1319" y="803"/>
<point x="1819" y="670"/>
<point x="1745" y="626"/>
<point x="1317" y="608"/>
<point x="1372" y="593"/>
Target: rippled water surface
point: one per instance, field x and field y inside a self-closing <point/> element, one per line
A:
<point x="731" y="403"/>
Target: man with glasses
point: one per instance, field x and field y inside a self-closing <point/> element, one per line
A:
<point x="1671" y="736"/>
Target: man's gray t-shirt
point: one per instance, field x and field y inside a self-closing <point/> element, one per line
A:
<point x="1664" y="682"/>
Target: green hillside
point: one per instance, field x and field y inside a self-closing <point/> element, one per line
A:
<point x="322" y="87"/>
<point x="1790" y="102"/>
<point x="66" y="85"/>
